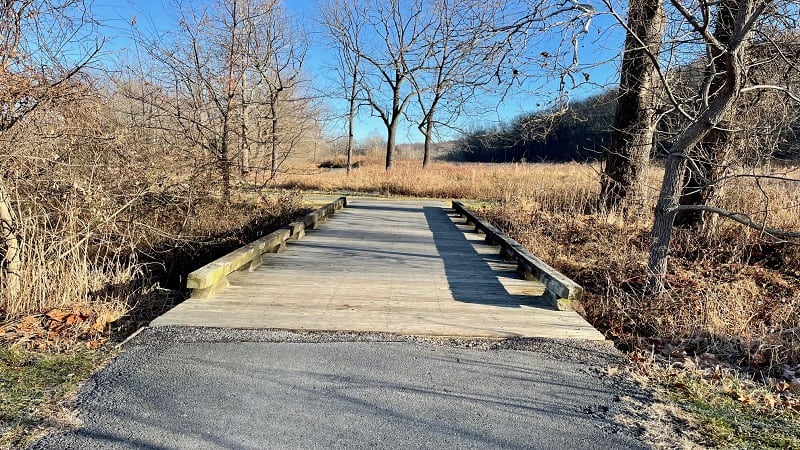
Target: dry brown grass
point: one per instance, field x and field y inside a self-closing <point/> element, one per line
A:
<point x="500" y="182"/>
<point x="732" y="290"/>
<point x="85" y="255"/>
<point x="732" y="285"/>
<point x="111" y="214"/>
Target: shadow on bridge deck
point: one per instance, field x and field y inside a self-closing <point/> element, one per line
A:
<point x="405" y="267"/>
<point x="475" y="271"/>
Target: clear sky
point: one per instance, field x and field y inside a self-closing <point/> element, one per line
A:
<point x="602" y="43"/>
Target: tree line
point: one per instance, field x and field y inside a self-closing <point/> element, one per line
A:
<point x="583" y="131"/>
<point x="579" y="133"/>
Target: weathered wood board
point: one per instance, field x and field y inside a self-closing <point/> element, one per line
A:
<point x="407" y="267"/>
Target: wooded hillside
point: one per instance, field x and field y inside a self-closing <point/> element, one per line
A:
<point x="581" y="132"/>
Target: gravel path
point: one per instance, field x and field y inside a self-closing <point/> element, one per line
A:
<point x="178" y="387"/>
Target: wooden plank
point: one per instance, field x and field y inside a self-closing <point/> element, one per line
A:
<point x="402" y="267"/>
<point x="210" y="278"/>
<point x="243" y="257"/>
<point x="296" y="230"/>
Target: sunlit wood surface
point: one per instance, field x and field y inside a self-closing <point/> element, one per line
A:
<point x="407" y="267"/>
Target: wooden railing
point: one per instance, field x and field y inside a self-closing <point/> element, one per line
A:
<point x="563" y="293"/>
<point x="213" y="277"/>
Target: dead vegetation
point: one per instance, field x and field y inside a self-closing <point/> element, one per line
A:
<point x="102" y="221"/>
<point x="499" y="182"/>
<point x="80" y="287"/>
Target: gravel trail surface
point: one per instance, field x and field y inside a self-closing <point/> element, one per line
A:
<point x="251" y="389"/>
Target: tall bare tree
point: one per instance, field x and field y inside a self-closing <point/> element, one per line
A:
<point x="194" y="80"/>
<point x="715" y="154"/>
<point x="344" y="23"/>
<point x="463" y="50"/>
<point x="422" y="58"/>
<point x="728" y="53"/>
<point x="390" y="47"/>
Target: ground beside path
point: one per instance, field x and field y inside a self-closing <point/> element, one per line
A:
<point x="408" y="267"/>
<point x="189" y="387"/>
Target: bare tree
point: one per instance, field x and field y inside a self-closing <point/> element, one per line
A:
<point x="344" y="23"/>
<point x="278" y="57"/>
<point x="728" y="48"/>
<point x="462" y="49"/>
<point x="711" y="158"/>
<point x="432" y="55"/>
<point x="228" y="83"/>
<point x="194" y="79"/>
<point x="711" y="80"/>
<point x="734" y="141"/>
<point x="389" y="48"/>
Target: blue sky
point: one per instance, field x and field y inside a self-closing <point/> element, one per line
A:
<point x="603" y="43"/>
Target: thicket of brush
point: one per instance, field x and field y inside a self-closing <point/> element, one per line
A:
<point x="108" y="215"/>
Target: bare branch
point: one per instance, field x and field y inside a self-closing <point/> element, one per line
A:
<point x="741" y="218"/>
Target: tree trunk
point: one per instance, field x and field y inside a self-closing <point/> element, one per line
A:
<point x="704" y="177"/>
<point x="351" y="123"/>
<point x="230" y="94"/>
<point x="426" y="155"/>
<point x="685" y="144"/>
<point x="351" y="117"/>
<point x="349" y="143"/>
<point x="225" y="157"/>
<point x="390" y="139"/>
<point x="244" y="144"/>
<point x="245" y="159"/>
<point x="273" y="140"/>
<point x="662" y="222"/>
<point x="225" y="168"/>
<point x="622" y="182"/>
<point x="11" y="267"/>
<point x="393" y="121"/>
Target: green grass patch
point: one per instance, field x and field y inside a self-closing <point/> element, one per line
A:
<point x="34" y="387"/>
<point x="736" y="414"/>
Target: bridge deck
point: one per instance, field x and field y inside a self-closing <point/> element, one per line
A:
<point x="405" y="267"/>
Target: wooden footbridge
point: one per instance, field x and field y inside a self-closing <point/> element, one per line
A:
<point x="406" y="267"/>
